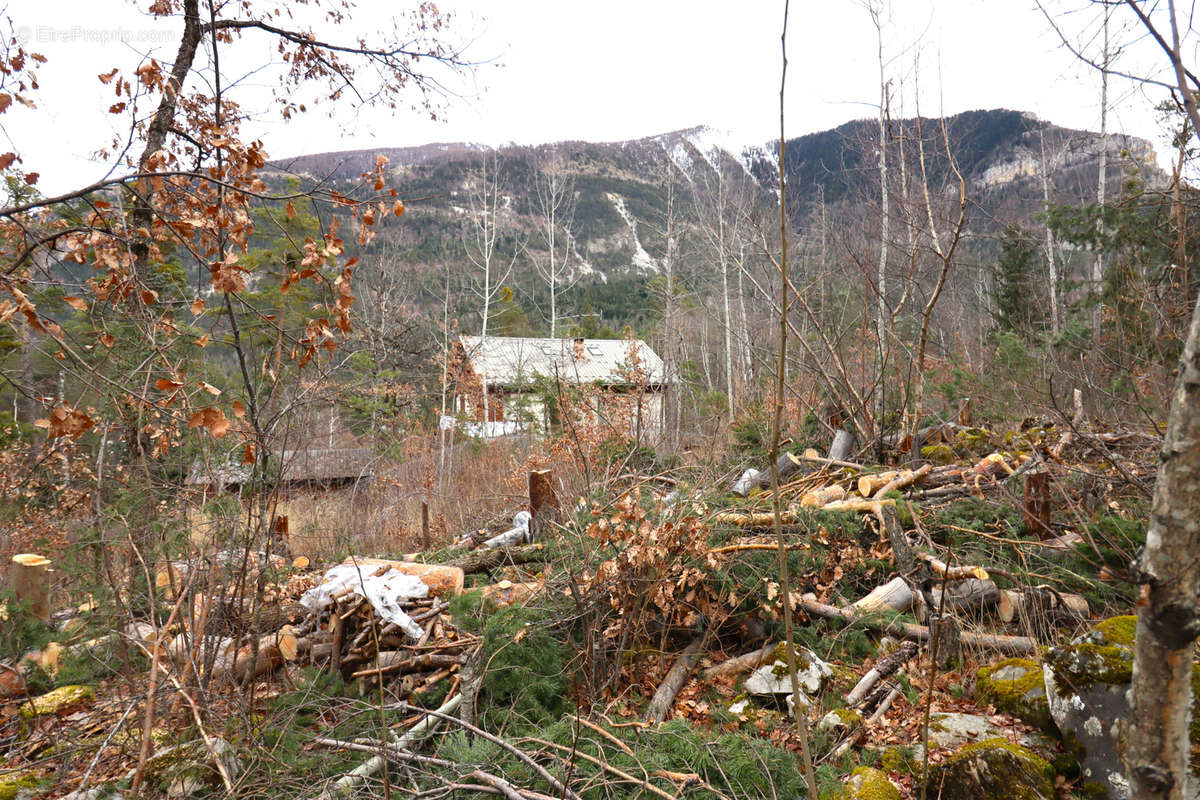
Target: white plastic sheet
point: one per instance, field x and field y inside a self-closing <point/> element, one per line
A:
<point x="385" y="592"/>
<point x="518" y="533"/>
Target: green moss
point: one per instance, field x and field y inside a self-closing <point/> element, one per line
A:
<point x="1012" y="773"/>
<point x="900" y="759"/>
<point x="938" y="453"/>
<point x="867" y="783"/>
<point x="1036" y="762"/>
<point x="1079" y="666"/>
<point x="975" y="440"/>
<point x="1023" y="696"/>
<point x="12" y="785"/>
<point x="1117" y="630"/>
<point x="850" y="717"/>
<point x="54" y="701"/>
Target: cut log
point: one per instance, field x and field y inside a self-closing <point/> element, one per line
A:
<point x="663" y="699"/>
<point x="867" y="484"/>
<point x="1040" y="601"/>
<point x="507" y="593"/>
<point x="895" y="595"/>
<point x="443" y="581"/>
<point x="903" y="480"/>
<point x="753" y="519"/>
<point x="948" y="573"/>
<point x="823" y="496"/>
<point x="243" y="665"/>
<point x="860" y="506"/>
<point x="970" y="594"/>
<point x="485" y="560"/>
<point x="29" y="577"/>
<point x="1012" y="645"/>
<point x="739" y="664"/>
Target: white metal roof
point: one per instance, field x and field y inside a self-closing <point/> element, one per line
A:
<point x="508" y="360"/>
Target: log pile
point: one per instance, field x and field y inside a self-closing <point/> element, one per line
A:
<point x="838" y="485"/>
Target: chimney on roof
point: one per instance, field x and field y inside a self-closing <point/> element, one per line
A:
<point x="580" y="352"/>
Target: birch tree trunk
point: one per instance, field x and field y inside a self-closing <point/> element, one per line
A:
<point x="1055" y="321"/>
<point x="1157" y="759"/>
<point x="1102" y="183"/>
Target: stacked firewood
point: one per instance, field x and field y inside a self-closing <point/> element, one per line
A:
<point x="352" y="640"/>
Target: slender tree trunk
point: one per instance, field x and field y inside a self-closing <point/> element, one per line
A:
<point x="728" y="332"/>
<point x="884" y="225"/>
<point x="1159" y="745"/>
<point x="1101" y="184"/>
<point x="1055" y="320"/>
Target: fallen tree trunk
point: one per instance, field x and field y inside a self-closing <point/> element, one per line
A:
<point x="903" y="480"/>
<point x="814" y="457"/>
<point x="948" y="573"/>
<point x="861" y="506"/>
<point x="818" y="498"/>
<point x="660" y="705"/>
<point x="485" y="560"/>
<point x="752" y="519"/>
<point x="895" y="595"/>
<point x="883" y="668"/>
<point x="401" y="662"/>
<point x="1012" y="645"/>
<point x="739" y="664"/>
<point x="352" y="780"/>
<point x="970" y="594"/>
<point x="1040" y="601"/>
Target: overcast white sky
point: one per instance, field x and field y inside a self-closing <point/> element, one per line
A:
<point x="618" y="69"/>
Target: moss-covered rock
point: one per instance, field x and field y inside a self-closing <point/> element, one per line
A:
<point x="904" y="759"/>
<point x="1115" y="631"/>
<point x="840" y="720"/>
<point x="18" y="784"/>
<point x="189" y="768"/>
<point x="1016" y="686"/>
<point x="994" y="769"/>
<point x="53" y="702"/>
<point x="867" y="783"/>
<point x="1086" y="688"/>
<point x="940" y="453"/>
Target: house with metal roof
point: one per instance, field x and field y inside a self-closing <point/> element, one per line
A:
<point x="503" y="382"/>
<point x="326" y="468"/>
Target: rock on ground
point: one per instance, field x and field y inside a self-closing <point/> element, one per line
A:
<point x="994" y="769"/>
<point x="187" y="769"/>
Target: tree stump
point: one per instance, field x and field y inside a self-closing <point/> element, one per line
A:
<point x="1036" y="504"/>
<point x="543" y="502"/>
<point x="945" y="631"/>
<point x="964" y="412"/>
<point x="30" y="578"/>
